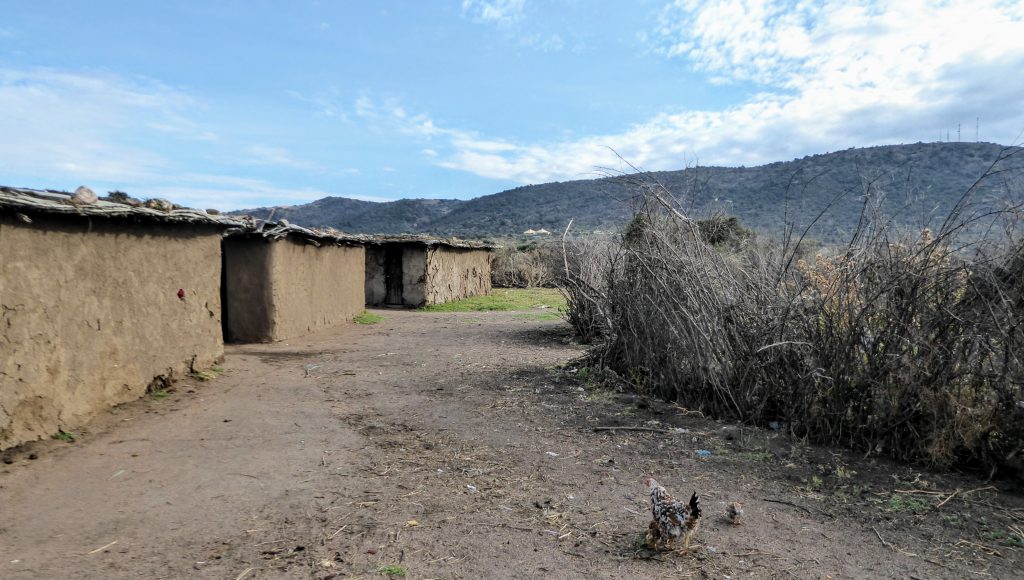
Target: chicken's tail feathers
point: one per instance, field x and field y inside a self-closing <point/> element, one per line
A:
<point x="694" y="506"/>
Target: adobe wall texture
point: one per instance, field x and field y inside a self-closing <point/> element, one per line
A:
<point x="414" y="275"/>
<point x="90" y="316"/>
<point x="315" y="287"/>
<point x="456" y="273"/>
<point x="280" y="290"/>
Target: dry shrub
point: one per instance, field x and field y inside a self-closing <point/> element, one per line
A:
<point x="526" y="266"/>
<point x="903" y="345"/>
<point x="587" y="267"/>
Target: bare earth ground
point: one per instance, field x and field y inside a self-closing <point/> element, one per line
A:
<point x="460" y="446"/>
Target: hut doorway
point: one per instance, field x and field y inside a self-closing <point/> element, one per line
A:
<point x="393" y="289"/>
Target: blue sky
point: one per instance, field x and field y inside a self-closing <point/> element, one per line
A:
<point x="234" y="104"/>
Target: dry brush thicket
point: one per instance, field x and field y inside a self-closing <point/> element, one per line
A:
<point x="907" y="345"/>
<point x="526" y="266"/>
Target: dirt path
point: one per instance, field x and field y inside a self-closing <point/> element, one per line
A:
<point x="453" y="446"/>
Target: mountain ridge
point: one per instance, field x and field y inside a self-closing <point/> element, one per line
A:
<point x="918" y="183"/>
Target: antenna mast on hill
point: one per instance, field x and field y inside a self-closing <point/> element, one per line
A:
<point x="958" y="132"/>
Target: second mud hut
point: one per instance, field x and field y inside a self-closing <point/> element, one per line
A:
<point x="282" y="281"/>
<point x="413" y="271"/>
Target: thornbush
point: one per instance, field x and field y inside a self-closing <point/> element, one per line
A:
<point x="526" y="266"/>
<point x="904" y="345"/>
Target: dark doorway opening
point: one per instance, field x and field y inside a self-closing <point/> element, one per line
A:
<point x="393" y="274"/>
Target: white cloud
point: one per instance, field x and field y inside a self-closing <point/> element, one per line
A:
<point x="67" y="129"/>
<point x="832" y="75"/>
<point x="883" y="45"/>
<point x="326" y="104"/>
<point x="542" y="42"/>
<point x="260" y="154"/>
<point x="509" y="16"/>
<point x="77" y="125"/>
<point x="500" y="12"/>
<point x="227" y="193"/>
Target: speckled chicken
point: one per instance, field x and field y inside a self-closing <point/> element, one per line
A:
<point x="672" y="518"/>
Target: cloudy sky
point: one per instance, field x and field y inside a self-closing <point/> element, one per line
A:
<point x="239" y="103"/>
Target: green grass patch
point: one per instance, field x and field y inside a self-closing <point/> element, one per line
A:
<point x="505" y="299"/>
<point x="368" y="318"/>
<point x="1003" y="537"/>
<point x="393" y="570"/>
<point x="204" y="376"/>
<point x="158" y="394"/>
<point x="813" y="485"/>
<point x="901" y="503"/>
<point x="763" y="456"/>
<point x="65" y="436"/>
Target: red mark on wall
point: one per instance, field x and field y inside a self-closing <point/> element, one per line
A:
<point x="181" y="293"/>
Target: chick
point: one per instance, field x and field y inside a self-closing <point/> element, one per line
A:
<point x="734" y="513"/>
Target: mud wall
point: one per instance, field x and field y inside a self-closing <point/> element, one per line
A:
<point x="280" y="290"/>
<point x="414" y="275"/>
<point x="90" y="316"/>
<point x="456" y="273"/>
<point x="314" y="287"/>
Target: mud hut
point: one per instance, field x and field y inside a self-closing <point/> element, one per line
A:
<point x="100" y="300"/>
<point x="415" y="271"/>
<point x="283" y="281"/>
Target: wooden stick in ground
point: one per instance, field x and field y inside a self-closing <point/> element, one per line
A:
<point x="949" y="497"/>
<point x="104" y="547"/>
<point x="565" y="257"/>
<point x="789" y="503"/>
<point x="646" y="429"/>
<point x="884" y="543"/>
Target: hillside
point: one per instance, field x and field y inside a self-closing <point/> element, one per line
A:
<point x="918" y="183"/>
<point x="356" y="216"/>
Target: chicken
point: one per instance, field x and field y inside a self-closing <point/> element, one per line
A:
<point x="672" y="518"/>
<point x="734" y="513"/>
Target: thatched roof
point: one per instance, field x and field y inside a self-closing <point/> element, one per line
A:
<point x="432" y="241"/>
<point x="273" y="231"/>
<point x="24" y="203"/>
